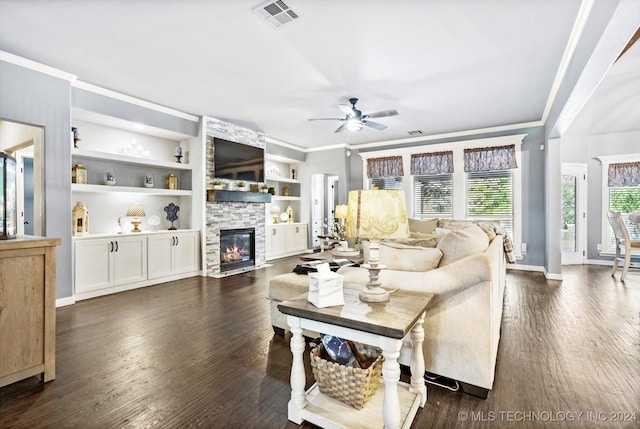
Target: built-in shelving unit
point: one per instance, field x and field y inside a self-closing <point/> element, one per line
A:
<point x="129" y="189"/>
<point x="131" y="152"/>
<point x="127" y="159"/>
<point x="286" y="189"/>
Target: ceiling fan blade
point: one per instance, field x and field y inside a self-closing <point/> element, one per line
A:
<point x="341" y="128"/>
<point x="326" y="119"/>
<point x="346" y="109"/>
<point x="382" y="114"/>
<point x="374" y="125"/>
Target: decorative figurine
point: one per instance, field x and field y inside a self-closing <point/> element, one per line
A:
<point x="76" y="136"/>
<point x="172" y="214"/>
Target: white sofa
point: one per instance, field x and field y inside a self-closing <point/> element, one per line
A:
<point x="462" y="327"/>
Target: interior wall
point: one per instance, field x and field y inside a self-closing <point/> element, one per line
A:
<point x="585" y="149"/>
<point x="42" y="100"/>
<point x="328" y="162"/>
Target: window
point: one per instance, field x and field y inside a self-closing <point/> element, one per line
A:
<point x="472" y="179"/>
<point x="626" y="200"/>
<point x="433" y="196"/>
<point x="490" y="197"/>
<point x="386" y="182"/>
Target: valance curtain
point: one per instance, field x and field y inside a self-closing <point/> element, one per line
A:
<point x="624" y="174"/>
<point x="390" y="166"/>
<point x="423" y="164"/>
<point x="490" y="158"/>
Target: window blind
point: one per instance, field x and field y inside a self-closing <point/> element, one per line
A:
<point x="386" y="182"/>
<point x="490" y="197"/>
<point x="433" y="196"/>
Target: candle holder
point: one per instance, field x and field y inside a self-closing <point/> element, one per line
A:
<point x="178" y="158"/>
<point x="373" y="292"/>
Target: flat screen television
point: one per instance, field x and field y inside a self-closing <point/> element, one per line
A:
<point x="237" y="161"/>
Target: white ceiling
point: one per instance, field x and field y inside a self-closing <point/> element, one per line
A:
<point x="446" y="66"/>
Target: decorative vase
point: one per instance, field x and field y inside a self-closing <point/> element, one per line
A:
<point x="109" y="179"/>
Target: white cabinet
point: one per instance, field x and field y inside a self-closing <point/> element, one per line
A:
<point x="107" y="262"/>
<point x="173" y="253"/>
<point x="285" y="239"/>
<point x="296" y="238"/>
<point x="114" y="263"/>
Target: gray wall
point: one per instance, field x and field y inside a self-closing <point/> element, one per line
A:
<point x="584" y="149"/>
<point x="37" y="99"/>
<point x="276" y="149"/>
<point x="98" y="103"/>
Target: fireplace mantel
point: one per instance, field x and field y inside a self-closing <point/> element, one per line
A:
<point x="238" y="196"/>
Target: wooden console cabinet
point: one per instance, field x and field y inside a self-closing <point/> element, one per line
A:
<point x="27" y="308"/>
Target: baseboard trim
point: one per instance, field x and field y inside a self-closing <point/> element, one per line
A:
<point x="63" y="302"/>
<point x="519" y="267"/>
<point x="552" y="276"/>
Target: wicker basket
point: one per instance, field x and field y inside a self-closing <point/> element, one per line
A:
<point x="353" y="386"/>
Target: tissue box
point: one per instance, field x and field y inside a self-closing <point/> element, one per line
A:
<point x="325" y="289"/>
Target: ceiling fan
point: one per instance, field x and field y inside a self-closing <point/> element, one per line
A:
<point x="354" y="119"/>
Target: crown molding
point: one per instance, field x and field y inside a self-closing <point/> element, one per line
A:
<point x="35" y="66"/>
<point x="133" y="100"/>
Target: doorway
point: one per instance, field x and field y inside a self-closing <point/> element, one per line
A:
<point x="24" y="143"/>
<point x="574" y="213"/>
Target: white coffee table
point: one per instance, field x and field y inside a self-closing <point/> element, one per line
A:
<point x="384" y="325"/>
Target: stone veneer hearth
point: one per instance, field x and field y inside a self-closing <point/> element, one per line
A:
<point x="232" y="215"/>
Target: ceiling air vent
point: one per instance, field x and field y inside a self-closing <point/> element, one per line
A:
<point x="415" y="133"/>
<point x="276" y="13"/>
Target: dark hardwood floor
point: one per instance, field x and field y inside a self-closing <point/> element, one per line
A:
<point x="201" y="353"/>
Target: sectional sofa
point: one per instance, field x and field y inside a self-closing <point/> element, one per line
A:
<point x="463" y="264"/>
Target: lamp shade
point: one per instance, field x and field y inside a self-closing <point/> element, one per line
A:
<point x="376" y="214"/>
<point x="136" y="210"/>
<point x="341" y="211"/>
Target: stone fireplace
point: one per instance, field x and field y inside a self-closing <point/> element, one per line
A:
<point x="225" y="216"/>
<point x="237" y="248"/>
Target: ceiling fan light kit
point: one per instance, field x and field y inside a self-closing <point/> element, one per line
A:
<point x="355" y="120"/>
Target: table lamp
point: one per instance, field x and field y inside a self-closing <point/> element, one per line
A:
<point x="340" y="214"/>
<point x="275" y="214"/>
<point x="136" y="211"/>
<point x="373" y="215"/>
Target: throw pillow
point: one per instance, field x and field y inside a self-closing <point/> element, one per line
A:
<point x="424" y="240"/>
<point x="462" y="243"/>
<point x="426" y="226"/>
<point x="453" y="224"/>
<point x="402" y="257"/>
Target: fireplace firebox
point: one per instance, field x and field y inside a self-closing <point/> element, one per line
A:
<point x="237" y="248"/>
